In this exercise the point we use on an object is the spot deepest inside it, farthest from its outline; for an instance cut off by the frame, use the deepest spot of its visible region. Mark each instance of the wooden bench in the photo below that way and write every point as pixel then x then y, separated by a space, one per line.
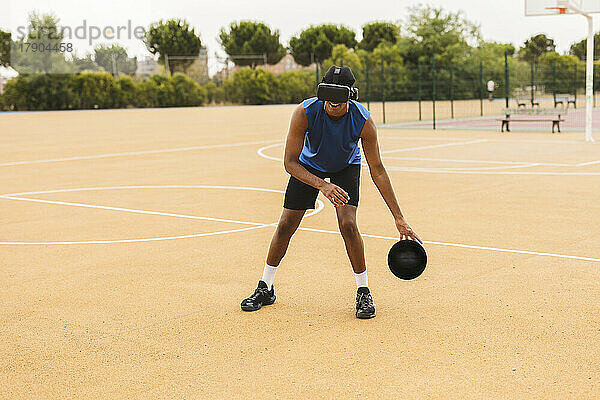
pixel 564 99
pixel 524 101
pixel 518 114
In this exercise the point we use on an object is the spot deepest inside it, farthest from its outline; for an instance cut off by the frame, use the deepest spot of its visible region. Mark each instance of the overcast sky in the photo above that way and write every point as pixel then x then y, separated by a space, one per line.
pixel 500 20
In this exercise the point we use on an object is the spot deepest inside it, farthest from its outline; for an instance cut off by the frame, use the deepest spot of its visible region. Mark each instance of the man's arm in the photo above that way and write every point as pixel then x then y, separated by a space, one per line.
pixel 293 148
pixel 381 178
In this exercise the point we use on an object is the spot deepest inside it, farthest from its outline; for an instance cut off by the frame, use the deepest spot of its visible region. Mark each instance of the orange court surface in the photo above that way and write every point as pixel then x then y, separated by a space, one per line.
pixel 130 237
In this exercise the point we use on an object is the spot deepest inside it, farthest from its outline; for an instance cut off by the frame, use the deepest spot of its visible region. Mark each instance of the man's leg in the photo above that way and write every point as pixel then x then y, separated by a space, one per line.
pixel 265 293
pixel 346 217
pixel 287 226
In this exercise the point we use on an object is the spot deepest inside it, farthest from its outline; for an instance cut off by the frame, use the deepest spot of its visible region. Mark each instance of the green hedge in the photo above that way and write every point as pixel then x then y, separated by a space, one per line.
pixel 90 90
pixel 257 86
pixel 99 90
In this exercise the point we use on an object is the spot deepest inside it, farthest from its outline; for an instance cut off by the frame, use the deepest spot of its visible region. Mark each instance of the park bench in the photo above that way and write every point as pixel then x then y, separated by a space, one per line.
pixel 518 114
pixel 524 101
pixel 564 99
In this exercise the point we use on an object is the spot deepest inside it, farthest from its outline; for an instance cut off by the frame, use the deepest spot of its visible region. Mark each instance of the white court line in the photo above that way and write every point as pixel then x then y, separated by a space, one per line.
pixel 488 168
pixel 588 163
pixel 133 153
pixel 480 171
pixel 432 146
pixel 130 210
pixel 494 140
pixel 261 152
pixel 468 246
pixel 144 187
pixel 255 225
pixel 455 171
pixel 156 239
pixel 480 161
pixel 435 146
pixel 319 208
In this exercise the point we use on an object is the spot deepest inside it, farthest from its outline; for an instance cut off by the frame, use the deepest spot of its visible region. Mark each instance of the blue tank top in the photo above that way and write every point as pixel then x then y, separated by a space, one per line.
pixel 330 146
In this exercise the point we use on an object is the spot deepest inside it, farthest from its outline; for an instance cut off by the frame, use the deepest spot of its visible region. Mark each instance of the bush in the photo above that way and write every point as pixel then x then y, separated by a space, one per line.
pixel 214 93
pixel 90 90
pixel 41 92
pixel 295 86
pixel 127 90
pixel 251 86
pixel 187 92
pixel 97 90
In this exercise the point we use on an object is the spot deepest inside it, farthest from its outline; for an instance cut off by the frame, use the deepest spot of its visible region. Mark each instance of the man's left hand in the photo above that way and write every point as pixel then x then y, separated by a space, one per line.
pixel 406 231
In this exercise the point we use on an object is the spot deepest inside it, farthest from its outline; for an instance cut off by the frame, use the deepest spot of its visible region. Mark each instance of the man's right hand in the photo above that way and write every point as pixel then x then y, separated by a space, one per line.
pixel 336 195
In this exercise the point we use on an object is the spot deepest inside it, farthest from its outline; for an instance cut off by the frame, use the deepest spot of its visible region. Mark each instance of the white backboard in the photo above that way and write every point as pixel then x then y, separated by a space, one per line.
pixel 550 7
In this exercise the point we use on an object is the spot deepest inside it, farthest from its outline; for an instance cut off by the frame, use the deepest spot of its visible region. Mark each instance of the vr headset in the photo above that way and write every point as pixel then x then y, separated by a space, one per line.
pixel 334 92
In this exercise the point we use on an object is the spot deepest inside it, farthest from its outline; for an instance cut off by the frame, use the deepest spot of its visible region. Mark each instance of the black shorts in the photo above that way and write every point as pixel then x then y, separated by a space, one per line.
pixel 300 196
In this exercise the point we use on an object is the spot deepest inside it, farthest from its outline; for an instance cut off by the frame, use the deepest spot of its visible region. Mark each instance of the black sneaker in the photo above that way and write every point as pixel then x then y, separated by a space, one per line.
pixel 364 303
pixel 261 297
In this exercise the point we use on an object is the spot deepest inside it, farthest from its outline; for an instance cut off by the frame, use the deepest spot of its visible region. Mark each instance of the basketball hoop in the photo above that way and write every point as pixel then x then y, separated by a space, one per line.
pixel 585 8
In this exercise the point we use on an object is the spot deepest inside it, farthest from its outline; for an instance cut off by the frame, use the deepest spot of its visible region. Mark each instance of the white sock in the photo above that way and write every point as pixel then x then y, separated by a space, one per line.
pixel 361 279
pixel 269 275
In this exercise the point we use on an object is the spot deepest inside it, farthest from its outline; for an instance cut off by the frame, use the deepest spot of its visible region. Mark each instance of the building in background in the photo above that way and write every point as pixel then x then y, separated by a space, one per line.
pixel 287 63
pixel 198 71
pixel 148 66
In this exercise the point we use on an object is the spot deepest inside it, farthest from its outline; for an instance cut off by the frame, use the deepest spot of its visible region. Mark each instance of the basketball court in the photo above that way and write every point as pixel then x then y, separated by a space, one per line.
pixel 130 238
pixel 574 121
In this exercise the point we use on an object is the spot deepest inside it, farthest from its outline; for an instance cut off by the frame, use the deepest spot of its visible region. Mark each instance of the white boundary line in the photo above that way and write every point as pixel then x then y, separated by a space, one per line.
pixel 480 161
pixel 478 171
pixel 255 224
pixel 156 239
pixel 495 139
pixel 468 246
pixel 261 151
pixel 133 153
pixel 435 146
pixel 455 171
pixel 588 163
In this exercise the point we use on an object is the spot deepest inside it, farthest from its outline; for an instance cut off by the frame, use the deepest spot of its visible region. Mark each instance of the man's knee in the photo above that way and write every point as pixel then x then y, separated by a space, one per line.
pixel 287 226
pixel 348 227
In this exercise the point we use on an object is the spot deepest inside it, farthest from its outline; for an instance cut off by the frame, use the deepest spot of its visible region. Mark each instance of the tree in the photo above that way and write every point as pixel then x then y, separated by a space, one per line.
pixel 41 51
pixel 84 64
pixel 341 55
pixel 4 48
pixel 579 49
pixel 114 59
pixel 173 38
pixel 535 47
pixel 556 72
pixel 433 31
pixel 316 42
pixel 377 32
pixel 248 38
pixel 396 76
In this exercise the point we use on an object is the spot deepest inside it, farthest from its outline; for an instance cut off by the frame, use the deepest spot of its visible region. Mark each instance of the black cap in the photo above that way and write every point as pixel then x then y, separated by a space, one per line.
pixel 339 76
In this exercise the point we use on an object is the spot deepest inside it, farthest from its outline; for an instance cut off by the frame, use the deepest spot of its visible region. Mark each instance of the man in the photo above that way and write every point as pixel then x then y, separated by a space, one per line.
pixel 322 142
pixel 490 88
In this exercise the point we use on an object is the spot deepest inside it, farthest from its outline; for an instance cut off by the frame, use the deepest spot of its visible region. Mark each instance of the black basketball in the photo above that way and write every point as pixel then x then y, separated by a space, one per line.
pixel 407 259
